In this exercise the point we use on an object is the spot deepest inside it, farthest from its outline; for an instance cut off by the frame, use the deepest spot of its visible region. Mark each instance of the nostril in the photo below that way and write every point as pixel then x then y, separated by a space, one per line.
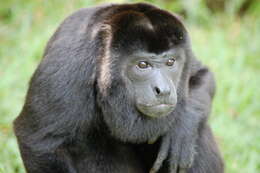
pixel 157 90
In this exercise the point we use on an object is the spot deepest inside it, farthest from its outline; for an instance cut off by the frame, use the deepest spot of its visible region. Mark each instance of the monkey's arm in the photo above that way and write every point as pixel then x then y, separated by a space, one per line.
pixel 196 110
pixel 179 144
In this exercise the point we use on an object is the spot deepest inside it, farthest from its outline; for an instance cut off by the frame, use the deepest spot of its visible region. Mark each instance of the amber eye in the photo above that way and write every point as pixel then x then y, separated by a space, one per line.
pixel 143 64
pixel 170 62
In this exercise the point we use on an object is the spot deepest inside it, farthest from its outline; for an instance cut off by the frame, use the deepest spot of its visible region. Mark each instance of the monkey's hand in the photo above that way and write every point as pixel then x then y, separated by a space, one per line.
pixel 182 151
pixel 183 137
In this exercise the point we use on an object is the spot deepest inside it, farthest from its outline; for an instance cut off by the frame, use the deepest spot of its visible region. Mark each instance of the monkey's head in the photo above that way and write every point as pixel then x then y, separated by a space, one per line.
pixel 142 71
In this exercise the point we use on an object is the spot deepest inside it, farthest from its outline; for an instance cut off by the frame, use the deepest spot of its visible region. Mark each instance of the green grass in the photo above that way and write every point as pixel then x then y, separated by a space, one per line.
pixel 229 46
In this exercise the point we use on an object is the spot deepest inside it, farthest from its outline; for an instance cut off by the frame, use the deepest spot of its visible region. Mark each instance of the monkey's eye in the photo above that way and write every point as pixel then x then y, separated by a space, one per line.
pixel 143 64
pixel 170 62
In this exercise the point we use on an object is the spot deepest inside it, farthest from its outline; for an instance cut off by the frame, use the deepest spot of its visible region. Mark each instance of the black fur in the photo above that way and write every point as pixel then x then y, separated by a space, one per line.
pixel 69 124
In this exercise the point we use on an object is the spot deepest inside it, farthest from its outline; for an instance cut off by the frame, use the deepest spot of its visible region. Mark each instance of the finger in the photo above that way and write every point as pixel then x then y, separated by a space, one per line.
pixel 162 155
pixel 173 168
pixel 182 170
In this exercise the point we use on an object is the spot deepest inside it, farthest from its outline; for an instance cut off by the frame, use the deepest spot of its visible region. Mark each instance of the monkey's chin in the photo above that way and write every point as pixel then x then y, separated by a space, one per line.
pixel 156 111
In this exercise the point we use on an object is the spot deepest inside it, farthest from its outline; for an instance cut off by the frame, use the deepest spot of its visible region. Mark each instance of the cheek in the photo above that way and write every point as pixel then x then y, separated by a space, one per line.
pixel 173 96
pixel 143 94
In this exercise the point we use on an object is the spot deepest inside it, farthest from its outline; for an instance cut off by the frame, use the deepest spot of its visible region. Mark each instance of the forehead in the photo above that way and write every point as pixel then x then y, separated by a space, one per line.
pixel 149 29
pixel 177 53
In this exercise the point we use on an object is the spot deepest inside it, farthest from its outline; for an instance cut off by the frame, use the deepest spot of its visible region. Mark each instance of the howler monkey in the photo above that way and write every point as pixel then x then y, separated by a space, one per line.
pixel 118 90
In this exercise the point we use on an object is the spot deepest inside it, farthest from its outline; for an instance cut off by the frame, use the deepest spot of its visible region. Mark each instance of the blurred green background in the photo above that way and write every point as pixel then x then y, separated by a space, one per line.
pixel 225 36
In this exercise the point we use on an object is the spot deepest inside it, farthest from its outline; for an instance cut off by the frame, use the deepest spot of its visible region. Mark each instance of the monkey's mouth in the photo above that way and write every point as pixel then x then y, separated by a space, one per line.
pixel 156 111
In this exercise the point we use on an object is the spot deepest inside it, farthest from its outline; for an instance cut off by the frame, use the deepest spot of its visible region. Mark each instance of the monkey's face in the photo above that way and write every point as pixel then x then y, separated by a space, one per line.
pixel 154 79
pixel 141 102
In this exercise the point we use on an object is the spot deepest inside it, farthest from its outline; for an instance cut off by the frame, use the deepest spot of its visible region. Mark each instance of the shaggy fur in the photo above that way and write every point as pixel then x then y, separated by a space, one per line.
pixel 79 115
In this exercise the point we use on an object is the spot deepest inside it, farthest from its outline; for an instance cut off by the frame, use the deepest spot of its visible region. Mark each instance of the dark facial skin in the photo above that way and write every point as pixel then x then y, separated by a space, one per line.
pixel 155 78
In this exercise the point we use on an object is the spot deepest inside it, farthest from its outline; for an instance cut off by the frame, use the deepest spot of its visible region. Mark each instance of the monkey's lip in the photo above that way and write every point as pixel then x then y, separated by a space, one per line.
pixel 156 111
pixel 159 105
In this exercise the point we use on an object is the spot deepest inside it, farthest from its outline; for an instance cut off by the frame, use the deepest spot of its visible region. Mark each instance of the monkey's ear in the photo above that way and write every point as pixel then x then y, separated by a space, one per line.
pixel 201 78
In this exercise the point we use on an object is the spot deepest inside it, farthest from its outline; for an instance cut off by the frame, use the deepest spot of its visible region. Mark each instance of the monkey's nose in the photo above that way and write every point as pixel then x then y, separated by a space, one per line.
pixel 162 91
